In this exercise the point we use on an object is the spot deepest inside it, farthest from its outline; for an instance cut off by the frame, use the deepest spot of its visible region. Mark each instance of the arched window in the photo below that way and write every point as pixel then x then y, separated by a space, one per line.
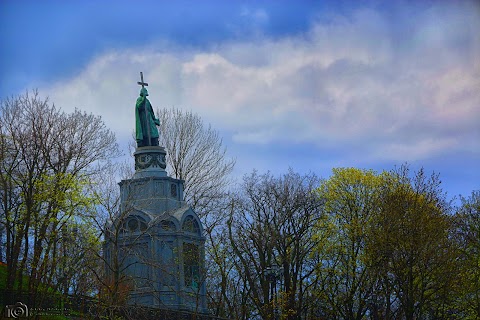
pixel 191 225
pixel 168 225
pixel 134 224
pixel 191 265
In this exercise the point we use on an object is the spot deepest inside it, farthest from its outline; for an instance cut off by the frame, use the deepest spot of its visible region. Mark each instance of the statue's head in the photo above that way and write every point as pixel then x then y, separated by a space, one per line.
pixel 144 92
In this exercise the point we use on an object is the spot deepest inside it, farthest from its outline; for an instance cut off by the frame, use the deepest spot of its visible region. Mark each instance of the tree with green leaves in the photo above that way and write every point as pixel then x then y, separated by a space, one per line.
pixel 467 223
pixel 411 248
pixel 389 251
pixel 48 157
pixel 351 202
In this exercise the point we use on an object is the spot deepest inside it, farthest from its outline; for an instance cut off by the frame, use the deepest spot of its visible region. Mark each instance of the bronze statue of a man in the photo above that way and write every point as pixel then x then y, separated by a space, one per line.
pixel 145 121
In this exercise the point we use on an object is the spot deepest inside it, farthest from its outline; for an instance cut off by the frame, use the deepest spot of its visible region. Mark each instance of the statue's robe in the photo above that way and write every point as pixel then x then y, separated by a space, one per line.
pixel 142 122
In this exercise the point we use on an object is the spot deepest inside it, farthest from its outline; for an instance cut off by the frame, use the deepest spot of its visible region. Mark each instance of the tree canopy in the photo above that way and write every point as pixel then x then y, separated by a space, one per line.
pixel 47 159
pixel 359 244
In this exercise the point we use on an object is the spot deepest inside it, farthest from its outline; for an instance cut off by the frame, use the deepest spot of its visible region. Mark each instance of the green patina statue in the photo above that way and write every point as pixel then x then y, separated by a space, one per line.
pixel 145 121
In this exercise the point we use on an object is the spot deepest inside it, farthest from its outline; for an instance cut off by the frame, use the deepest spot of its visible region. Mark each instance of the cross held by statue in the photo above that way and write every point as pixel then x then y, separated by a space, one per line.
pixel 141 82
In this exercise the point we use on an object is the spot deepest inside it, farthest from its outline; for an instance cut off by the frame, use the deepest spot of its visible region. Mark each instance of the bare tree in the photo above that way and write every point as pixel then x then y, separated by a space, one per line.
pixel 195 155
pixel 109 264
pixel 270 232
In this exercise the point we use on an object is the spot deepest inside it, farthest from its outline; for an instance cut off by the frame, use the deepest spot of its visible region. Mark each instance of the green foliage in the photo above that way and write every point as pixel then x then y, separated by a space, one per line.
pixel 385 246
pixel 351 202
pixel 410 246
pixel 468 226
pixel 63 192
pixel 48 158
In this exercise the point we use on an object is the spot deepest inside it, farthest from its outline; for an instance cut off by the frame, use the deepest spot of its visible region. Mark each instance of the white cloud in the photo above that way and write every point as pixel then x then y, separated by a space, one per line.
pixel 349 82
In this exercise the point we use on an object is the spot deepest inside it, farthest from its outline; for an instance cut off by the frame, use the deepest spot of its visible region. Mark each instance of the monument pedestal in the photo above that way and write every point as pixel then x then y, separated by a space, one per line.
pixel 150 162
pixel 161 242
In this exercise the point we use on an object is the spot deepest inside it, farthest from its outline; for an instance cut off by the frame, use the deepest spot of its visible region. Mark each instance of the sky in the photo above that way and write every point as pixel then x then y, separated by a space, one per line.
pixel 307 85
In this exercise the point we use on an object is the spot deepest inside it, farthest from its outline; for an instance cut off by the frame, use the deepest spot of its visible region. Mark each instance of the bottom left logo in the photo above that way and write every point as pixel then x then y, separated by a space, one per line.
pixel 17 310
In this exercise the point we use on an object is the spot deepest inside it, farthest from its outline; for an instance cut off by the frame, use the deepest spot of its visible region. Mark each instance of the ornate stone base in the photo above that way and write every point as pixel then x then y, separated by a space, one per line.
pixel 150 162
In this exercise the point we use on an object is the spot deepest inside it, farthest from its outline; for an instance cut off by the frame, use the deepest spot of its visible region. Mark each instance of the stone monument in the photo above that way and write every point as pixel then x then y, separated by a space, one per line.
pixel 159 242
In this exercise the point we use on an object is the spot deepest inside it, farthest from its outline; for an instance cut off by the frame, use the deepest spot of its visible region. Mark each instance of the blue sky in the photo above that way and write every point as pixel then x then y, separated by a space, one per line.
pixel 310 85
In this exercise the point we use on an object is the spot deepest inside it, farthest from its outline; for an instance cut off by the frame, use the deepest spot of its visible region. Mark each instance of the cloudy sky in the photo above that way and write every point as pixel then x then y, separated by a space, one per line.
pixel 310 85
